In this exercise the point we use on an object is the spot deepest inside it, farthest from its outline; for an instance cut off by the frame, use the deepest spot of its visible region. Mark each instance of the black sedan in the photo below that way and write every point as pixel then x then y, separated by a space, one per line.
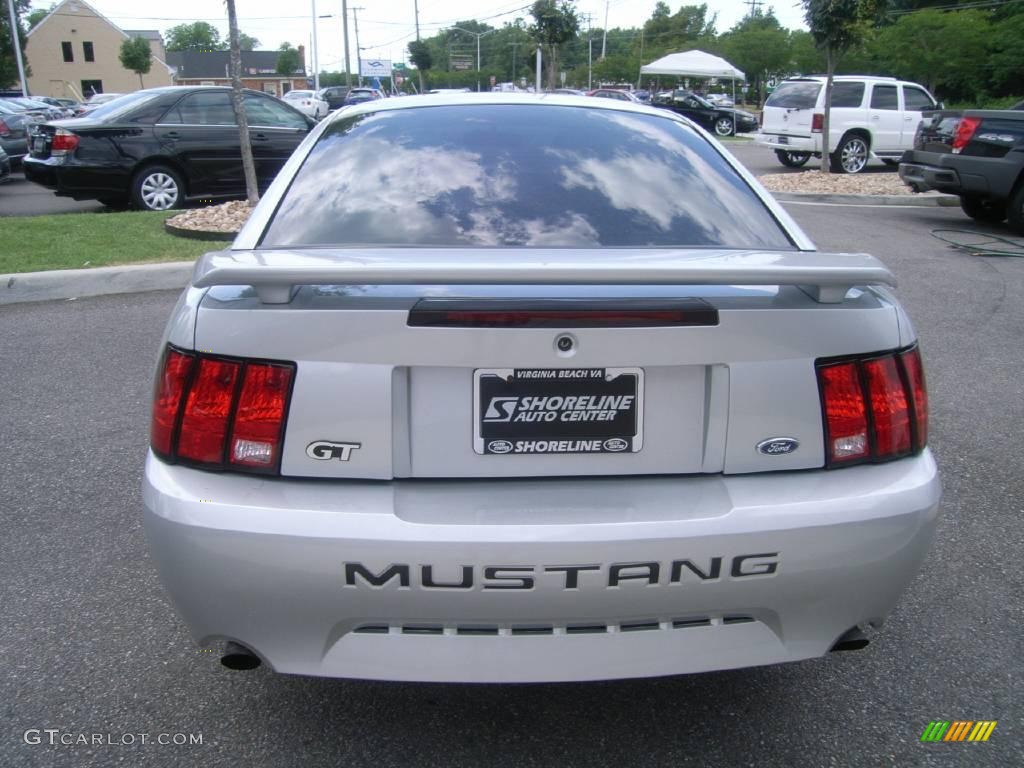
pixel 708 116
pixel 157 148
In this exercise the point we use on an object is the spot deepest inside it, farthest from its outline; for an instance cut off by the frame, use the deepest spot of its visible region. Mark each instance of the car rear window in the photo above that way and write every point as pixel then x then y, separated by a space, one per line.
pixel 795 94
pixel 518 175
pixel 847 94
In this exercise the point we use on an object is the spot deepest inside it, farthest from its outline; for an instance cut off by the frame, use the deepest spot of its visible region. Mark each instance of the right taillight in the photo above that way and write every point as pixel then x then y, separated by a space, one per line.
pixel 874 408
pixel 4 130
pixel 817 122
pixel 964 132
pixel 63 142
pixel 219 412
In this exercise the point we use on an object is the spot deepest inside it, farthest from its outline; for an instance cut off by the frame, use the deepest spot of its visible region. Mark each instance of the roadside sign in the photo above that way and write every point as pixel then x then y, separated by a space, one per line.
pixel 375 68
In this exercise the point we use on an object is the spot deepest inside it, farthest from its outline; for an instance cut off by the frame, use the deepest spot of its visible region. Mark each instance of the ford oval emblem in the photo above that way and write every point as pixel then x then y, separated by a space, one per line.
pixel 615 444
pixel 499 446
pixel 778 446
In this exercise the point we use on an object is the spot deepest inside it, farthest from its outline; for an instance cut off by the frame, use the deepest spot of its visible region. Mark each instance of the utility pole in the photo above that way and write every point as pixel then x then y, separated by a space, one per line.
pixel 755 6
pixel 359 51
pixel 604 37
pixel 590 53
pixel 16 43
pixel 344 26
pixel 514 46
pixel 416 8
pixel 537 87
pixel 316 54
pixel 640 74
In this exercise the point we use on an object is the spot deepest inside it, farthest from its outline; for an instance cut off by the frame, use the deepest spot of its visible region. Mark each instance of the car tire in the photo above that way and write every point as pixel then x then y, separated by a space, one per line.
pixel 851 156
pixel 983 209
pixel 724 126
pixel 157 188
pixel 1015 210
pixel 792 159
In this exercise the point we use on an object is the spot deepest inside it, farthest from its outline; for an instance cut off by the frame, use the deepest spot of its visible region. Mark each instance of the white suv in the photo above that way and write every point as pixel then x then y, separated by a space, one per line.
pixel 871 117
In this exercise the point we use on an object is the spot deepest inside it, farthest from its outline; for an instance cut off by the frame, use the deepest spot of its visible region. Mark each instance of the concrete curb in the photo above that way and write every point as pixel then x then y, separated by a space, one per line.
pixel 196 234
pixel 101 281
pixel 921 200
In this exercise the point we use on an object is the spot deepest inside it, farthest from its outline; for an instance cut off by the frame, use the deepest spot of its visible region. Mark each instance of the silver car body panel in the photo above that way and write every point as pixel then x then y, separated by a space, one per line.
pixel 416 558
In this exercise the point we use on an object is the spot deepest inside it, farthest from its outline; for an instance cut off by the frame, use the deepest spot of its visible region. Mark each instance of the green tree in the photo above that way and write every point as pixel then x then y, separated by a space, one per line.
pixel 288 60
pixel 8 62
pixel 555 22
pixel 37 15
pixel 946 51
pixel 421 58
pixel 247 42
pixel 198 36
pixel 136 56
pixel 836 26
pixel 1006 57
pixel 760 47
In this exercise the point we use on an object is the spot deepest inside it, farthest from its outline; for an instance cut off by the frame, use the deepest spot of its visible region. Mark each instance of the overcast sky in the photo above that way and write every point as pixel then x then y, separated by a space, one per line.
pixel 386 26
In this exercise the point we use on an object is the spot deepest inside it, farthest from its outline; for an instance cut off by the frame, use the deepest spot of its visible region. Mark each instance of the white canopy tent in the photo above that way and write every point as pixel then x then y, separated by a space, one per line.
pixel 696 64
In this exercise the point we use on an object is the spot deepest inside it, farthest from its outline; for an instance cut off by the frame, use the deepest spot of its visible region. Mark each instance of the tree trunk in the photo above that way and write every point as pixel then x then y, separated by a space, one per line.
pixel 141 86
pixel 422 89
pixel 248 166
pixel 553 67
pixel 830 59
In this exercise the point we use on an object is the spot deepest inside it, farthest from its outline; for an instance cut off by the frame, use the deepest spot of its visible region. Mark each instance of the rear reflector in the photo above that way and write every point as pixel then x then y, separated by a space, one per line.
pixel 221 413
pixel 561 313
pixel 874 407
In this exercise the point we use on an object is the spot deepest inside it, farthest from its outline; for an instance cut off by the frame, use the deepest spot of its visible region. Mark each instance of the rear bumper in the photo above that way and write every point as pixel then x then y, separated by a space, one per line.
pixel 788 143
pixel 81 182
pixel 959 174
pixel 673 575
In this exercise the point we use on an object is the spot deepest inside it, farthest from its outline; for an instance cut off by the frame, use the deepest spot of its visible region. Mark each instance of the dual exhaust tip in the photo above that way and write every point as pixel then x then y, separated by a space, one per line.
pixel 238 657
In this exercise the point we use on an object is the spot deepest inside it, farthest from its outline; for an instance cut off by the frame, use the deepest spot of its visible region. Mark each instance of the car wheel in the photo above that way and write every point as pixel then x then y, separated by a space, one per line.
pixel 851 156
pixel 157 188
pixel 723 126
pixel 792 159
pixel 1015 211
pixel 982 209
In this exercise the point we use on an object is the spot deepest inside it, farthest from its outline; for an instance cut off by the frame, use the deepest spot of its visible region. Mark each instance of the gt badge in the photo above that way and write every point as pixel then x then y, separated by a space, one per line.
pixel 325 450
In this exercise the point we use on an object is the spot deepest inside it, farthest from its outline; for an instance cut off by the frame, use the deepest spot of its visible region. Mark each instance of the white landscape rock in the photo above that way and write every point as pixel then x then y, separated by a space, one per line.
pixel 226 217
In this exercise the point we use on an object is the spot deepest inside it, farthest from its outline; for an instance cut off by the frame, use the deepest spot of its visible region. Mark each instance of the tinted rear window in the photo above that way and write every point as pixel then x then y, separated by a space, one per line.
pixel 847 94
pixel 802 94
pixel 518 175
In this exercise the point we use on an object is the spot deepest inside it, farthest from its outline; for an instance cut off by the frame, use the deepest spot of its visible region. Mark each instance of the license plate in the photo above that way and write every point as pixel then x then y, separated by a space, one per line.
pixel 39 144
pixel 783 140
pixel 557 410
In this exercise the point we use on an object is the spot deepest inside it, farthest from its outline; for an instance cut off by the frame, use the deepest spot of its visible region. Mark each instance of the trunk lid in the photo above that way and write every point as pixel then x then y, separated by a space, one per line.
pixel 420 381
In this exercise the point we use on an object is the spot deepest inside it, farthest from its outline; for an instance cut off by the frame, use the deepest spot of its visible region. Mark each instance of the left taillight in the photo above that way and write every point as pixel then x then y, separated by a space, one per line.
pixel 64 142
pixel 217 412
pixel 874 408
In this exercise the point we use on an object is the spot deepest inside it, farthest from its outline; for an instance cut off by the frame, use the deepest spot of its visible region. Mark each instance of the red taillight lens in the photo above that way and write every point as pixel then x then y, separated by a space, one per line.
pixel 170 389
pixel 63 141
pixel 911 360
pixel 874 407
pixel 817 122
pixel 4 130
pixel 846 423
pixel 964 132
pixel 204 424
pixel 888 407
pixel 221 413
pixel 256 436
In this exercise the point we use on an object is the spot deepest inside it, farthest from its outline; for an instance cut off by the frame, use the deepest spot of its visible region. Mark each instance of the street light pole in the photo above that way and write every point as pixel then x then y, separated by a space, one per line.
pixel 478 35
pixel 16 42
pixel 359 54
pixel 316 53
pixel 344 26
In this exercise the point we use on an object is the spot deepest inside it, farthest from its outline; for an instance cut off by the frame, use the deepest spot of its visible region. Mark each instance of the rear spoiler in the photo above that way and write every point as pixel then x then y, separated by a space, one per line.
pixel 275 275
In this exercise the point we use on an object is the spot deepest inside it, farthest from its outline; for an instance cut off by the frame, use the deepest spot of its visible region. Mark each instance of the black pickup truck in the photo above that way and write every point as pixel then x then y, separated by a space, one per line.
pixel 977 155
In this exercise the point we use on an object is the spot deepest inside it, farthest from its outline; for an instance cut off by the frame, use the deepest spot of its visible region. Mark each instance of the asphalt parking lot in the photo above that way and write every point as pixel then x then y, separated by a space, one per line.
pixel 20 197
pixel 90 644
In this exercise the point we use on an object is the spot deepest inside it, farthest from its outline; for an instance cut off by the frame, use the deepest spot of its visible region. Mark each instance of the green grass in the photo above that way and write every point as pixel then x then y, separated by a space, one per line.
pixel 82 240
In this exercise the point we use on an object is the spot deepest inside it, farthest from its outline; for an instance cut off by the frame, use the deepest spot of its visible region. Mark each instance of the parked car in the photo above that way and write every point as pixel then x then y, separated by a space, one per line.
pixel 508 388
pixel 308 103
pixel 159 147
pixel 5 166
pixel 614 93
pixel 724 121
pixel 569 92
pixel 36 108
pixel 977 155
pixel 14 130
pixel 70 107
pixel 359 95
pixel 871 118
pixel 334 95
pixel 643 95
pixel 719 99
pixel 95 101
